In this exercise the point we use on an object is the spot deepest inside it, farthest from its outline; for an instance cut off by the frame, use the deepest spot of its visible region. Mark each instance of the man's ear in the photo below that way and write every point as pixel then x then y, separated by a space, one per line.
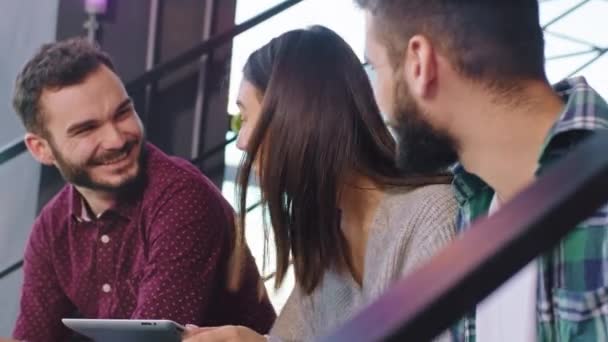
pixel 420 66
pixel 39 148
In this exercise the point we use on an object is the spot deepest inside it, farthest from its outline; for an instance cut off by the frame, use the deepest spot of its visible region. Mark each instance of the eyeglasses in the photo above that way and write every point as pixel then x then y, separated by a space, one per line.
pixel 236 122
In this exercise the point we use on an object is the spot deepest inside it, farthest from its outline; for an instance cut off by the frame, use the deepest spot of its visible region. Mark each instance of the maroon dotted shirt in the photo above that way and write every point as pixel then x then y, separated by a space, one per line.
pixel 162 254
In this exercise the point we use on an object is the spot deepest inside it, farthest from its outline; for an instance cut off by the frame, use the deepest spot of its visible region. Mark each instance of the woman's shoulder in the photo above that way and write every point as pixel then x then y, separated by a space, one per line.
pixel 416 224
pixel 423 211
pixel 402 200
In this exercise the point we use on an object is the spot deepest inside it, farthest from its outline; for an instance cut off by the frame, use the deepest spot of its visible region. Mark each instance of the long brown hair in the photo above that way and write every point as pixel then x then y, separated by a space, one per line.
pixel 319 122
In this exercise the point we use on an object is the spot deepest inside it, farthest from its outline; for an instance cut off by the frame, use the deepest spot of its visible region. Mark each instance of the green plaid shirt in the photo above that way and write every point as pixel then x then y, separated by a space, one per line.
pixel 572 296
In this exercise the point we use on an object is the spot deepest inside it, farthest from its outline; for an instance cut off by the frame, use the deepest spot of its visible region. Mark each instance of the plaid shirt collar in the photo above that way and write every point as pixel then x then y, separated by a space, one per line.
pixel 580 113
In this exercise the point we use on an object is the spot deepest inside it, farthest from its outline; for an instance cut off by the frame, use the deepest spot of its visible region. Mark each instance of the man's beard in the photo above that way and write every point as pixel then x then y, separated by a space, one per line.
pixel 80 175
pixel 422 149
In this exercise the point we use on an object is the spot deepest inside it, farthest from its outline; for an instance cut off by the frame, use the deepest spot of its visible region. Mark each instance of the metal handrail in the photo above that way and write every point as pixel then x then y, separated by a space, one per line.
pixel 12 268
pixel 425 303
pixel 12 150
pixel 213 151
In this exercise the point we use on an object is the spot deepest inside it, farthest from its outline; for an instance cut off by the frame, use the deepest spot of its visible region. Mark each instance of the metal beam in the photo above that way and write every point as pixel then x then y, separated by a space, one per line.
pixel 589 62
pixel 567 12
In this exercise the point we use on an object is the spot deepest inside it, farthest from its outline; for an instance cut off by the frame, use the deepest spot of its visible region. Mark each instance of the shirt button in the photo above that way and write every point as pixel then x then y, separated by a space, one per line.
pixel 105 239
pixel 106 288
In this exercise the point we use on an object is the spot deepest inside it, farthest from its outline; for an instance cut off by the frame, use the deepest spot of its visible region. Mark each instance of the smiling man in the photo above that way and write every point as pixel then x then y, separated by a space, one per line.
pixel 134 233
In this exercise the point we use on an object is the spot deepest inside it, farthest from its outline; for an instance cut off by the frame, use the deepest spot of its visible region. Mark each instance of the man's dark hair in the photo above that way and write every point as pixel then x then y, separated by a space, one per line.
pixel 54 66
pixel 495 42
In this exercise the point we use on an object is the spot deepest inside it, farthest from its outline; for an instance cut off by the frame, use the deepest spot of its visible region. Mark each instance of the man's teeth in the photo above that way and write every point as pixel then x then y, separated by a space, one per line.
pixel 116 159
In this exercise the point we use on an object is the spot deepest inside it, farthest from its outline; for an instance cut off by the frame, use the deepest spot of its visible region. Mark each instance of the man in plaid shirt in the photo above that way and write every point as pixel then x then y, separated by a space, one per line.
pixel 465 81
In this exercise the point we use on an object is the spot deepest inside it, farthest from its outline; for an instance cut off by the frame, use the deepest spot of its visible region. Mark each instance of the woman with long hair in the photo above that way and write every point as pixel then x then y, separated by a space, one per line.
pixel 340 209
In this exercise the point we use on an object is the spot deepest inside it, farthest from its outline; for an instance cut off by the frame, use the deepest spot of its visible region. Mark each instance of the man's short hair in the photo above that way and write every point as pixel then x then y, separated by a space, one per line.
pixel 54 66
pixel 491 41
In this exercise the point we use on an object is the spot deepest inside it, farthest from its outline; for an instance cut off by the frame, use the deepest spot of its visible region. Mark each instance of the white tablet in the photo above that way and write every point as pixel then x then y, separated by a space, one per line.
pixel 123 330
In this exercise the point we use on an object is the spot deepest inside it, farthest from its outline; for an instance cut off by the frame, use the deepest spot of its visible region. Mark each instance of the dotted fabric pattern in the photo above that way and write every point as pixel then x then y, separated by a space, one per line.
pixel 159 254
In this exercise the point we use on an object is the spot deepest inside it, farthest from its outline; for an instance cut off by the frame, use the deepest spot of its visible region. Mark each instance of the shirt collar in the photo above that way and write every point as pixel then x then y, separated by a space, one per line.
pixel 75 202
pixel 124 208
pixel 466 185
pixel 584 110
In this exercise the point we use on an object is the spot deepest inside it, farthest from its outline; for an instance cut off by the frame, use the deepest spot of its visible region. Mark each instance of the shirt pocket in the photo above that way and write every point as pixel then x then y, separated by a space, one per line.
pixel 581 315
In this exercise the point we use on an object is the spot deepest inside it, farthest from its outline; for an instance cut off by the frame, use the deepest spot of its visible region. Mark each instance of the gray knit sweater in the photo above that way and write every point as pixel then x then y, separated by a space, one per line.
pixel 409 227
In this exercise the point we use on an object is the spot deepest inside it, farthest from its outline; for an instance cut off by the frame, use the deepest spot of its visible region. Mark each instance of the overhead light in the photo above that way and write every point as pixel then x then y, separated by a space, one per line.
pixel 96 6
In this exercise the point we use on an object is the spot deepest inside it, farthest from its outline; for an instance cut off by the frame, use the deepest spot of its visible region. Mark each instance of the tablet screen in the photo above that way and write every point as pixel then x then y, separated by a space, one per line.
pixel 123 330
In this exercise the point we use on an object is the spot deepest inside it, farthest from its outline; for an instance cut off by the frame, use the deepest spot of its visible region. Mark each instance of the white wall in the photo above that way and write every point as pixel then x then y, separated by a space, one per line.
pixel 24 26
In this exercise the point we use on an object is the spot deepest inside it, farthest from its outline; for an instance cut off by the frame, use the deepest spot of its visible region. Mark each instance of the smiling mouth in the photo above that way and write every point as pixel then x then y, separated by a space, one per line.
pixel 116 159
